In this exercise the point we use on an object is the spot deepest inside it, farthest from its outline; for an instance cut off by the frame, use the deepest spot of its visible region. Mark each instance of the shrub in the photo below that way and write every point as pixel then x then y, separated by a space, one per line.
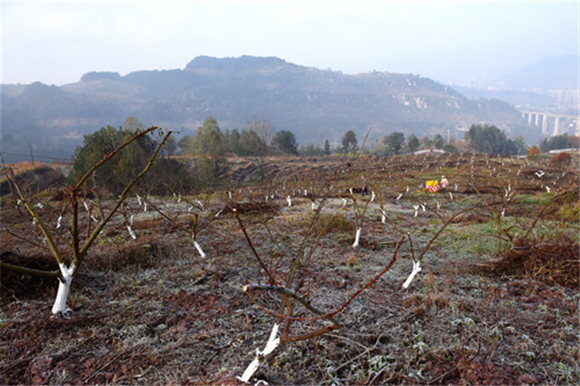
pixel 570 212
pixel 333 223
pixel 533 153
pixel 448 148
pixel 560 160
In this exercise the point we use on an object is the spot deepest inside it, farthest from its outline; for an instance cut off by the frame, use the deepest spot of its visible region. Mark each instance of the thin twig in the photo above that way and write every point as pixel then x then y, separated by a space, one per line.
pixel 342 307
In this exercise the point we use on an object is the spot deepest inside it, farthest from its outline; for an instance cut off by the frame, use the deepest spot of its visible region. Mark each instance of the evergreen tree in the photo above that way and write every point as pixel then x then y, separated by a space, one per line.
pixel 311 150
pixel 185 144
pixel 489 139
pixel 438 141
pixel 114 174
pixel 326 147
pixel 251 144
pixel 170 146
pixel 349 142
pixel 394 142
pixel 285 141
pixel 232 139
pixel 412 143
pixel 449 148
pixel 425 142
pixel 557 142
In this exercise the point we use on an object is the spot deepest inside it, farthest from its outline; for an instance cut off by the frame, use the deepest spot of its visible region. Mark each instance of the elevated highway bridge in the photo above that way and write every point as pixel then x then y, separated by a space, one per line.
pixel 553 124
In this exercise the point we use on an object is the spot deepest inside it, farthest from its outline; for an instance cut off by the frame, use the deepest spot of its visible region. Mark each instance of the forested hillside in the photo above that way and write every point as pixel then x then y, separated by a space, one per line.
pixel 313 104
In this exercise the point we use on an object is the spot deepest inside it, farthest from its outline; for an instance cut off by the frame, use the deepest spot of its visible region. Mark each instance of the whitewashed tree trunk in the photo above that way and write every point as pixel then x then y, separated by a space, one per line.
pixel 356 237
pixel 273 342
pixel 198 247
pixel 63 289
pixel 133 235
pixel 416 269
pixel 416 207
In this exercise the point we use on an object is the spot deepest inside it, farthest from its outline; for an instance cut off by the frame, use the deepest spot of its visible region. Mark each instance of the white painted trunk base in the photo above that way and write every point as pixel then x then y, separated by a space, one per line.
pixel 198 247
pixel 416 269
pixel 59 305
pixel 273 342
pixel 356 237
pixel 131 232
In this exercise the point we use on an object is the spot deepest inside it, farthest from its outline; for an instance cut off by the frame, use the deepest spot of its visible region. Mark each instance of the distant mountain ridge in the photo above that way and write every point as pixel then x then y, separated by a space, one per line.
pixel 550 73
pixel 314 104
pixel 548 85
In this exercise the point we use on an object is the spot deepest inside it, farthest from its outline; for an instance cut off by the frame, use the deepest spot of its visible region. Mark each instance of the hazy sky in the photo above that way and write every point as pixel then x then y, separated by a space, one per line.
pixel 56 42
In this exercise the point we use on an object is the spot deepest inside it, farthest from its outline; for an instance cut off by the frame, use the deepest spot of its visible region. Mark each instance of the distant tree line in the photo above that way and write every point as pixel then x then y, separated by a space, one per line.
pixel 257 139
pixel 205 151
pixel 490 139
pixel 559 142
pixel 480 138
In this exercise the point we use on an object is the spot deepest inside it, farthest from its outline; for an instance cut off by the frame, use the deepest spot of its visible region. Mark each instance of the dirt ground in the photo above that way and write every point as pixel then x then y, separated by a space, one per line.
pixel 491 305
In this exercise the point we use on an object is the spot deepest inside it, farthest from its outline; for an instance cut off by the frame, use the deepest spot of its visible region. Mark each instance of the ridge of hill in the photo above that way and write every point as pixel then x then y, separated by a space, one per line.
pixel 549 73
pixel 314 104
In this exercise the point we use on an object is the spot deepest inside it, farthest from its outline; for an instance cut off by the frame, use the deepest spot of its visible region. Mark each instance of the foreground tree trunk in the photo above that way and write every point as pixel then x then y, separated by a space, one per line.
pixel 356 237
pixel 63 289
pixel 79 244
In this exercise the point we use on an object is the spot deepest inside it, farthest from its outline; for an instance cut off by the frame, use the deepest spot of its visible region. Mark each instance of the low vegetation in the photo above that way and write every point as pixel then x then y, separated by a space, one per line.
pixel 473 284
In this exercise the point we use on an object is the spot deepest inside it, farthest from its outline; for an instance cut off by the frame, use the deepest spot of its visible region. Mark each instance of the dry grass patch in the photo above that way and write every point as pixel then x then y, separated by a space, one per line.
pixel 554 261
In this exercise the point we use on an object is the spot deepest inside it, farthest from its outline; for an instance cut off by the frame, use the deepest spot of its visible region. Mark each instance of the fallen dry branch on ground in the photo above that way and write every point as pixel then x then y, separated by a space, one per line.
pixel 552 261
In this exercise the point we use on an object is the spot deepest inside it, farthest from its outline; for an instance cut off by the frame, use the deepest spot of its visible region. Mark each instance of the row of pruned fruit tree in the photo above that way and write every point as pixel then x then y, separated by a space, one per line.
pixel 70 241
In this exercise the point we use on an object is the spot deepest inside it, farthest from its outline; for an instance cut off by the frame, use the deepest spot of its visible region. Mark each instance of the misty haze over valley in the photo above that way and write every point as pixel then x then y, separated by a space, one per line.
pixel 316 105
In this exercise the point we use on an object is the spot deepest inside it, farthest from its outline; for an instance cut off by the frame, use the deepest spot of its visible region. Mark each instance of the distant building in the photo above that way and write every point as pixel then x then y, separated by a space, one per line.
pixel 557 151
pixel 438 151
pixel 568 96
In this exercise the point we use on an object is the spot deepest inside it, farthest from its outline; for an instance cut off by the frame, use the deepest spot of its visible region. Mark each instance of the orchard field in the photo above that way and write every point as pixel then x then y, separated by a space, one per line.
pixel 184 289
